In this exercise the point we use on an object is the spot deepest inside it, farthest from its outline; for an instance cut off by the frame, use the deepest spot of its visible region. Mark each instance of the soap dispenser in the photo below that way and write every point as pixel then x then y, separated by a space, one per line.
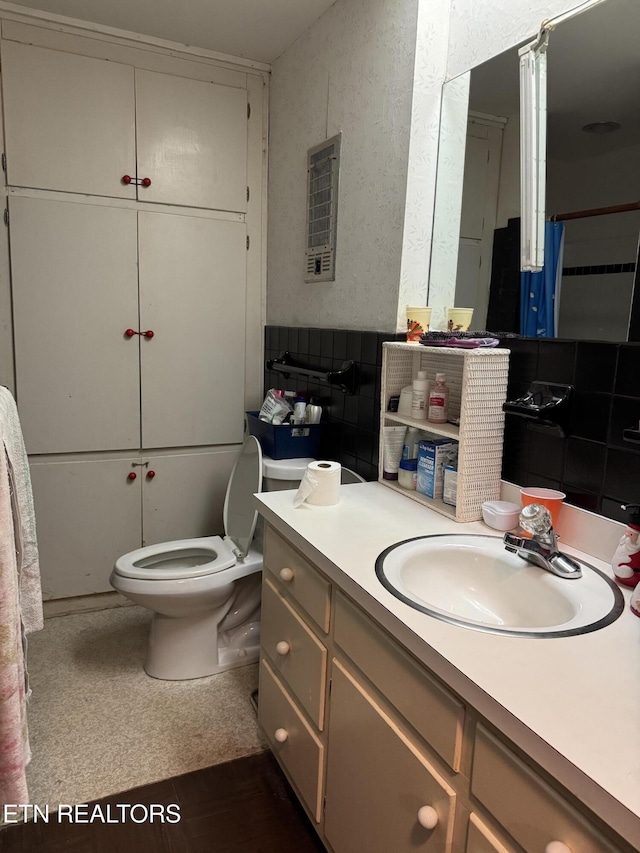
pixel 626 560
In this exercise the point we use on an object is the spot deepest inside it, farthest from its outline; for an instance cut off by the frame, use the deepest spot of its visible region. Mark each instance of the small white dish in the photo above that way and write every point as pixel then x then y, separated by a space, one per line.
pixel 501 515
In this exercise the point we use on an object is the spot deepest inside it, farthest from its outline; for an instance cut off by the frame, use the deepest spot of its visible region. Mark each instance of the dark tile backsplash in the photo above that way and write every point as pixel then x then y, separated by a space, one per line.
pixel 596 468
pixel 352 422
pixel 594 465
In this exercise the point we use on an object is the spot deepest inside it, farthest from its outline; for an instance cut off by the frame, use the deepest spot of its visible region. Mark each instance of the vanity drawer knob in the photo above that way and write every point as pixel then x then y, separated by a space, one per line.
pixel 283 648
pixel 428 817
pixel 557 847
pixel 281 735
pixel 286 575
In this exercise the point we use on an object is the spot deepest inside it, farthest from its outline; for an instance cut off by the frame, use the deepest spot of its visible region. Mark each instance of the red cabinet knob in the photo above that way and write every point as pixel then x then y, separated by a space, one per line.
pixel 131 475
pixel 130 333
pixel 126 179
pixel 146 182
pixel 148 334
pixel 151 475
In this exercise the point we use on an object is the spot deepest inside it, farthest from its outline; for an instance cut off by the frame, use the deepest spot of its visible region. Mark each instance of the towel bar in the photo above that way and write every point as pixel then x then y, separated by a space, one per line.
pixel 344 379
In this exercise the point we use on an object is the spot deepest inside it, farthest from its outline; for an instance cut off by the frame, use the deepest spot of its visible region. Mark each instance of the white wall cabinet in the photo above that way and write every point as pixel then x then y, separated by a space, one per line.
pixel 78 374
pixel 75 292
pixel 91 511
pixel 398 762
pixel 69 121
pixel 75 124
pixel 191 140
pixel 185 496
pixel 93 256
pixel 192 296
pixel 88 513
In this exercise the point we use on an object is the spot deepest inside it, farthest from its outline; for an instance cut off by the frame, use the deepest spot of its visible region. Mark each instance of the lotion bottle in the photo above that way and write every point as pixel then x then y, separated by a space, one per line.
pixel 438 401
pixel 420 396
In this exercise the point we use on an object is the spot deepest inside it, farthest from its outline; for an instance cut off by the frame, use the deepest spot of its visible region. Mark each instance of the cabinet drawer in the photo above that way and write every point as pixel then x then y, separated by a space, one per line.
pixel 433 712
pixel 303 583
pixel 297 747
pixel 480 839
pixel 378 781
pixel 295 652
pixel 529 809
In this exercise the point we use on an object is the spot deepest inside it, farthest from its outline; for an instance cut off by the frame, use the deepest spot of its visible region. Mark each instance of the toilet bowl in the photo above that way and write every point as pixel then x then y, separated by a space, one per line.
pixel 204 593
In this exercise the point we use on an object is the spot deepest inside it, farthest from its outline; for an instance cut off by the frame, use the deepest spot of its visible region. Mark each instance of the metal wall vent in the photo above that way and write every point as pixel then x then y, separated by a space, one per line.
pixel 323 166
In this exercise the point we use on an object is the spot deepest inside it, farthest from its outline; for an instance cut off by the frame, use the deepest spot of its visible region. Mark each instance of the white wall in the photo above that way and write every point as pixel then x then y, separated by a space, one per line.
pixel 352 71
pixel 480 30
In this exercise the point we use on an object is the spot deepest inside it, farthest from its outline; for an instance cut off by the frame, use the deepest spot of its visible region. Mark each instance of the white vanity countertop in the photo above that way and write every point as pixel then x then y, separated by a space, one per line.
pixel 571 703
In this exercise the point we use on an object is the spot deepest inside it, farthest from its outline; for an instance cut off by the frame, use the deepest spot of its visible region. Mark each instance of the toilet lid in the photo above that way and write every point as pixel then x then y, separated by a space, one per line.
pixel 239 513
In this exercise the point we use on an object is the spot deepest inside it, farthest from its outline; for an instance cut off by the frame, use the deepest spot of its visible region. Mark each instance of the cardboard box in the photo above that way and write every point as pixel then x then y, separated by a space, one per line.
pixel 433 456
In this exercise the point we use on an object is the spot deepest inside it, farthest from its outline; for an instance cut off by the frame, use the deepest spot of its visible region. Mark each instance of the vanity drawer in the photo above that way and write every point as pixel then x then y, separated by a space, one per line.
pixel 532 812
pixel 301 581
pixel 432 711
pixel 297 655
pixel 291 739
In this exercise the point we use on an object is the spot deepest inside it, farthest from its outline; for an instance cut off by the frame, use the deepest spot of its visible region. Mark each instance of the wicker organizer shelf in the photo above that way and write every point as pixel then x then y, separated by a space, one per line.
pixel 477 380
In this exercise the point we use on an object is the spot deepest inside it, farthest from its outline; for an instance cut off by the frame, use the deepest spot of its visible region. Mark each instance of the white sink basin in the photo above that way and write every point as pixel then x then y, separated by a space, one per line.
pixel 474 582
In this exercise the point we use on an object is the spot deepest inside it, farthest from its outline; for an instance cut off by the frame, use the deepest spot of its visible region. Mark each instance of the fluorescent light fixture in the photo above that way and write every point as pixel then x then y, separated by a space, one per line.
pixel 533 152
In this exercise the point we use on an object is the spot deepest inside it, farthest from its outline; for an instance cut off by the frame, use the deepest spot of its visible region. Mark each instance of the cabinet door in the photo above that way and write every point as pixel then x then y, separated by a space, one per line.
pixel 69 121
pixel 74 282
pixel 377 780
pixel 480 839
pixel 191 142
pixel 192 296
pixel 87 515
pixel 185 496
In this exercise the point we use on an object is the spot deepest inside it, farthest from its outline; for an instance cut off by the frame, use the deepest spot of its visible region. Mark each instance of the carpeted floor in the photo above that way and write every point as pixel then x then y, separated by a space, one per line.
pixel 98 724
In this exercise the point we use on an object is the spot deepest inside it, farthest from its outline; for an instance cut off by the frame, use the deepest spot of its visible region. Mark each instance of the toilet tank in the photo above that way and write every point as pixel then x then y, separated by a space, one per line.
pixel 280 474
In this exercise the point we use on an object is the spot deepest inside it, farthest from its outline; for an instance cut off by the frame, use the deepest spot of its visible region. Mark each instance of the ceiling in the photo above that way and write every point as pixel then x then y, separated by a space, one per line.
pixel 593 75
pixel 254 29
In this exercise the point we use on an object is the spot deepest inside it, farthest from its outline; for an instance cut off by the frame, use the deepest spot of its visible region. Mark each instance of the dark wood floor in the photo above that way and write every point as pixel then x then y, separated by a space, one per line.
pixel 244 806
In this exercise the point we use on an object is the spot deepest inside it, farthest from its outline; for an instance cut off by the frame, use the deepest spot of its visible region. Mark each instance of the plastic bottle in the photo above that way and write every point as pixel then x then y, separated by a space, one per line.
pixel 407 473
pixel 314 411
pixel 411 441
pixel 404 403
pixel 299 409
pixel 438 401
pixel 420 396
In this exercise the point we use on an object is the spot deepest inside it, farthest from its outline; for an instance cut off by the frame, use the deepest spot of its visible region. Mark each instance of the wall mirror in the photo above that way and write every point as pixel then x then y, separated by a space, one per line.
pixel 593 164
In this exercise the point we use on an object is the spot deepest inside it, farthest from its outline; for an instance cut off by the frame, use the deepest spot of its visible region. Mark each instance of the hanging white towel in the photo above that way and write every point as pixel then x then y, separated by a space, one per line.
pixel 26 543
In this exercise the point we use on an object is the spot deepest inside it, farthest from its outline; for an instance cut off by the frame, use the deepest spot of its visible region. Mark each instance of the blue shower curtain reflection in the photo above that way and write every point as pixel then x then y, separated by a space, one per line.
pixel 540 291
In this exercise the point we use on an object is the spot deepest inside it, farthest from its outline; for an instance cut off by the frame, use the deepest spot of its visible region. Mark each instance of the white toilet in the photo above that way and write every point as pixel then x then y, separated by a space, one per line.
pixel 205 592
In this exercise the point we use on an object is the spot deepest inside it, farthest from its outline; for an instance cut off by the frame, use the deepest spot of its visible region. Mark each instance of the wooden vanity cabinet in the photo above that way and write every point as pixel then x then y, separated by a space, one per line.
pixel 382 793
pixel 384 756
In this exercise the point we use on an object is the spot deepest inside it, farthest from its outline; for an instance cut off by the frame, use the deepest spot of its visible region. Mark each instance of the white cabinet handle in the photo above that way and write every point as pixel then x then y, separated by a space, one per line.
pixel 428 817
pixel 557 847
pixel 283 648
pixel 281 735
pixel 286 575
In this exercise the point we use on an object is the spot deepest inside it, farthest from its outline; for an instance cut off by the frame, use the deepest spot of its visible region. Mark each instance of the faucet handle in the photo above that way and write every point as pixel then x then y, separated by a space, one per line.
pixel 536 519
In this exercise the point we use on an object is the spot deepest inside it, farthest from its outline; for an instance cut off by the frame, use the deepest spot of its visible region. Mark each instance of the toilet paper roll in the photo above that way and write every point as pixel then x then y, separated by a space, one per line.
pixel 320 484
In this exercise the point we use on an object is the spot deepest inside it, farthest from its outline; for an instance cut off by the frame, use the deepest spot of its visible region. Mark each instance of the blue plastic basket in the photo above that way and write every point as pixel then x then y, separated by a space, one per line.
pixel 285 441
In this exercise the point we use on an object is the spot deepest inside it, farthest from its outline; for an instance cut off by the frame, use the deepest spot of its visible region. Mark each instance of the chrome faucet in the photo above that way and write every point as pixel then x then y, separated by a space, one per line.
pixel 542 548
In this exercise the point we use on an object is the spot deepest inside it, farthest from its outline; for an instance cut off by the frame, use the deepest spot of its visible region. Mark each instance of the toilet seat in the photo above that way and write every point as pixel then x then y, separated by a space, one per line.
pixel 183 558
pixel 193 558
